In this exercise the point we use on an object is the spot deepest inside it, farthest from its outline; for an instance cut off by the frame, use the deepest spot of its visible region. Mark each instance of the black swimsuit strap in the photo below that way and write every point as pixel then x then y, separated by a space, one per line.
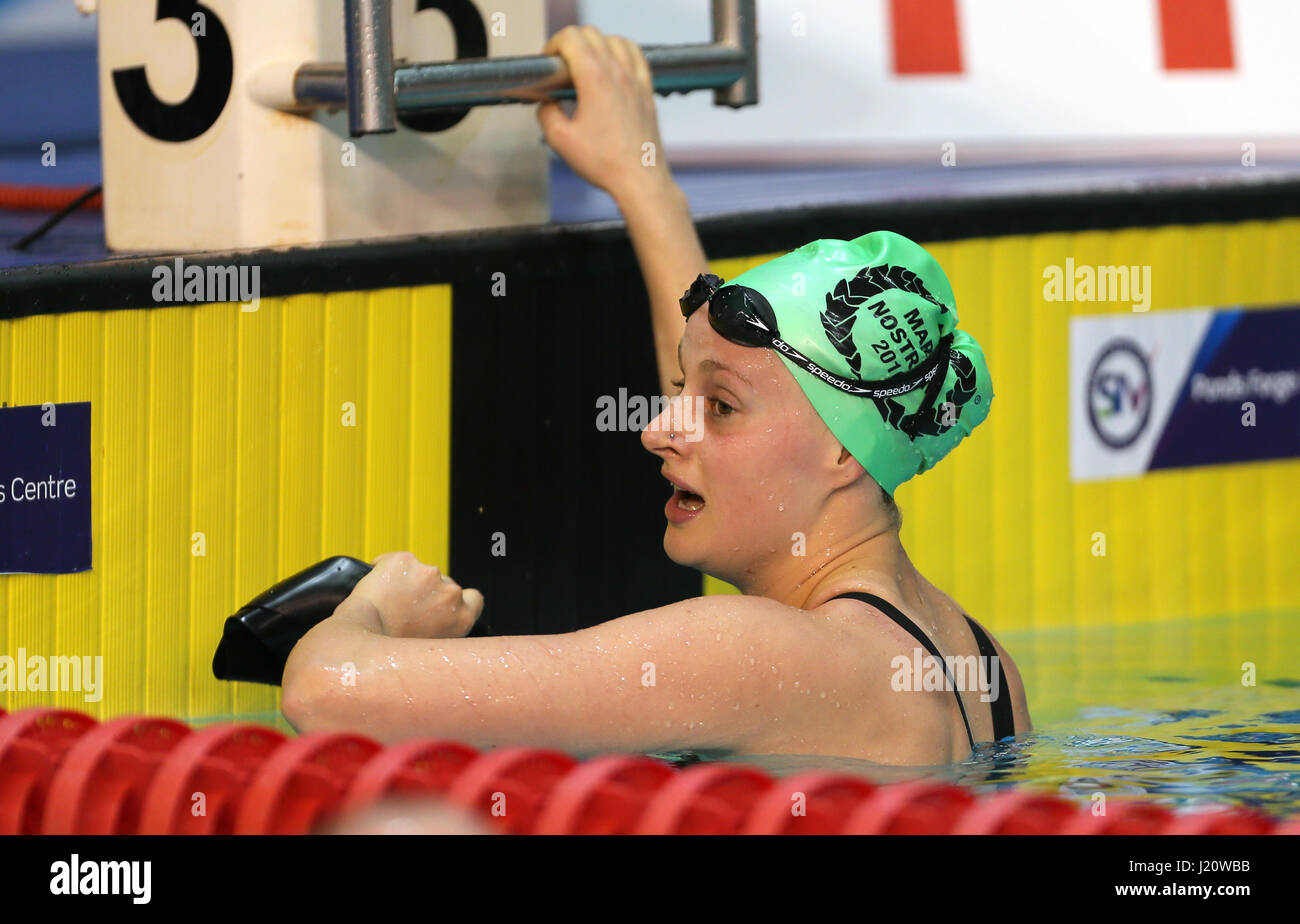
pixel 1004 723
pixel 913 629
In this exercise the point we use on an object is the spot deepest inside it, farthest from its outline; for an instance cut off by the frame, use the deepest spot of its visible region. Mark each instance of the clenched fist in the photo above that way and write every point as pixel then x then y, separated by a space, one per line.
pixel 612 139
pixel 415 600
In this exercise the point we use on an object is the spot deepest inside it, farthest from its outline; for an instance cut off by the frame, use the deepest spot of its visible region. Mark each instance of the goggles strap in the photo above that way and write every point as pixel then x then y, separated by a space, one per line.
pixel 701 291
pixel 933 388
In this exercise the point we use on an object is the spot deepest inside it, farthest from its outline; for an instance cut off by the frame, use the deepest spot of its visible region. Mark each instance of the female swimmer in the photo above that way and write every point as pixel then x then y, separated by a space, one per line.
pixel 826 378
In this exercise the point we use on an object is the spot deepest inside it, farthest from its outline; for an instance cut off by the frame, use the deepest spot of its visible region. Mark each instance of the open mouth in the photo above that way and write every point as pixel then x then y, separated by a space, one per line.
pixel 684 504
pixel 688 500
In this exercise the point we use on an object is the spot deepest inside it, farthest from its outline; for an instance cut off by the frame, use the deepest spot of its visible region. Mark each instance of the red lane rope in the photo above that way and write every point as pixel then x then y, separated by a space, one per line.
pixel 63 772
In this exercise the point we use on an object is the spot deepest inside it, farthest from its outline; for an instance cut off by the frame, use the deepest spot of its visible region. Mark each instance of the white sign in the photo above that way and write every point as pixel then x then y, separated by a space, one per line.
pixel 996 79
pixel 1126 373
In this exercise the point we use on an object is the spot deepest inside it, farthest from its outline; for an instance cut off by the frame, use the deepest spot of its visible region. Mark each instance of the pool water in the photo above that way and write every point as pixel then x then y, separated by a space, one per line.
pixel 1148 712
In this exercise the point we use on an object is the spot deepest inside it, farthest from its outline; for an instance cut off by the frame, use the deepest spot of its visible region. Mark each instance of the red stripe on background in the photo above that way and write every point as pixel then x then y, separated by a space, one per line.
pixel 1196 34
pixel 43 198
pixel 925 36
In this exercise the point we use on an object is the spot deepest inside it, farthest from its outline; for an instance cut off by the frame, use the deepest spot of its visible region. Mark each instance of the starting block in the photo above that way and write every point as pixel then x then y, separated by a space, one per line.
pixel 232 124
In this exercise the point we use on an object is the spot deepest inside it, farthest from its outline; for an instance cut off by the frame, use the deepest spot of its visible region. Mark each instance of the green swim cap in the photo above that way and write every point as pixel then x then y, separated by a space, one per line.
pixel 876 308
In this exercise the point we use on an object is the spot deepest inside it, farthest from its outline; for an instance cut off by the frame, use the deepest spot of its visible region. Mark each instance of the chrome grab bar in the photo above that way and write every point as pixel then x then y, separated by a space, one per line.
pixel 375 90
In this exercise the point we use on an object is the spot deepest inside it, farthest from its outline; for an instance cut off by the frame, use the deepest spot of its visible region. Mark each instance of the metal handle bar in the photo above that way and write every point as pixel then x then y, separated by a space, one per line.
pixel 375 91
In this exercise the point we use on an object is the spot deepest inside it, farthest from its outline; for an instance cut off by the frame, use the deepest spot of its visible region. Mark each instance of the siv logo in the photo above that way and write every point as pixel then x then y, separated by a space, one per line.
pixel 1118 396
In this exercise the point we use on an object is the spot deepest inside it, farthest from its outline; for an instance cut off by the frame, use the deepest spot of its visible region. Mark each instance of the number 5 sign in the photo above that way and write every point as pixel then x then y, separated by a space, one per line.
pixel 193 160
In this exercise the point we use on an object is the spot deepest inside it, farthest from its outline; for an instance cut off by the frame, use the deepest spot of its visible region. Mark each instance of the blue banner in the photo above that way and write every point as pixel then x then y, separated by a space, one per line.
pixel 45 489
pixel 1240 401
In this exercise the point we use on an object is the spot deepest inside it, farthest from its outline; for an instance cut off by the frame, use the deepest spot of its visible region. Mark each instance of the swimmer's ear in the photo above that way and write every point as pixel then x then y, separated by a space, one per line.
pixel 847 469
pixel 851 464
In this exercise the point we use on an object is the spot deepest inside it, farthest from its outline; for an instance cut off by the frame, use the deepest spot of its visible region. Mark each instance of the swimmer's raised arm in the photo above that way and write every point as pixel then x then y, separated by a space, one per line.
pixel 719 672
pixel 612 141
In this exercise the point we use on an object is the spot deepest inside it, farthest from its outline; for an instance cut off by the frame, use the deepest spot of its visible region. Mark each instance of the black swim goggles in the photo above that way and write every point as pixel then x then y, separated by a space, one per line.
pixel 745 316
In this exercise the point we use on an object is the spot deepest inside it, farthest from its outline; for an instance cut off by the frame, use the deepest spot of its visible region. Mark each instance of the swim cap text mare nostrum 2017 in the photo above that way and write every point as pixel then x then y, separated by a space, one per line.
pixel 868 328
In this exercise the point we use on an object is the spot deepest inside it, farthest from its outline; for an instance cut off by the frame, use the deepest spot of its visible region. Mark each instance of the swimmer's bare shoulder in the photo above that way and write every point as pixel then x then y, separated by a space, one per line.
pixel 728 673
pixel 918 726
